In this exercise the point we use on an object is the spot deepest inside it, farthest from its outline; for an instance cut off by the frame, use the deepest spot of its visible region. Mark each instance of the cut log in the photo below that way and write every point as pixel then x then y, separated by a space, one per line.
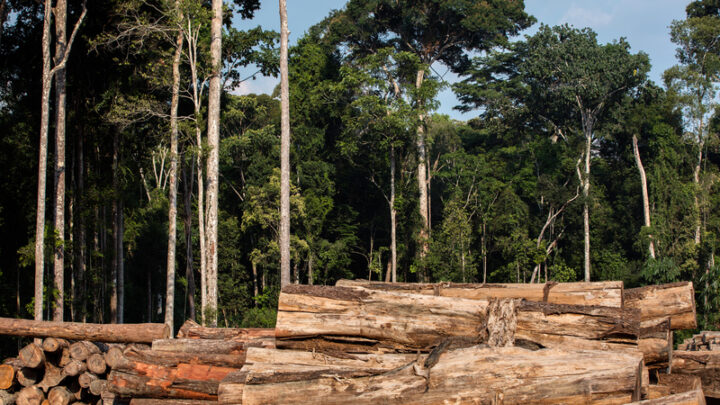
pixel 126 384
pixel 27 376
pixel 156 401
pixel 113 356
pixel 351 319
pixel 7 398
pixel 123 333
pixel 679 383
pixel 32 356
pixel 705 364
pixel 656 391
pixel 75 368
pixel 192 330
pixel 172 359
pixel 656 343
pixel 85 379
pixel 605 293
pixel 30 396
pixel 217 346
pixel 507 375
pixel 7 376
pixel 96 363
pixel 82 350
pixel 655 302
pixel 686 398
pixel 52 377
pixel 98 387
pixel 52 345
pixel 60 396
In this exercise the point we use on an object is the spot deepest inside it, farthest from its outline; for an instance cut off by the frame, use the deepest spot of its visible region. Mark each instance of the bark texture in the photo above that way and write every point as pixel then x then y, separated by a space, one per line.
pixel 284 236
pixel 656 302
pixel 126 333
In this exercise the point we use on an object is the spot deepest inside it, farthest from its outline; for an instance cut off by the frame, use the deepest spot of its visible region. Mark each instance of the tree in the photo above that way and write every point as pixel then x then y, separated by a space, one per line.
pixel 568 71
pixel 284 150
pixel 436 31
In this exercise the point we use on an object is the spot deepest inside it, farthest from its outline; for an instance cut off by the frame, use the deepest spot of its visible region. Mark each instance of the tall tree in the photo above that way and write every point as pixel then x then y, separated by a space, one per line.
pixel 213 142
pixel 436 31
pixel 284 149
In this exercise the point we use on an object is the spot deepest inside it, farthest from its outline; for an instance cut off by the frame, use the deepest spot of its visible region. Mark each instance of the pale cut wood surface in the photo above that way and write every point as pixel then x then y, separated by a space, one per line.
pixel 675 300
pixel 604 293
pixel 506 375
pixel 695 397
pixel 704 364
pixel 122 333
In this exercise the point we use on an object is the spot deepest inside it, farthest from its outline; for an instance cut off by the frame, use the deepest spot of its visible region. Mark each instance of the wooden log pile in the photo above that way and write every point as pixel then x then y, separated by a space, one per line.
pixel 365 343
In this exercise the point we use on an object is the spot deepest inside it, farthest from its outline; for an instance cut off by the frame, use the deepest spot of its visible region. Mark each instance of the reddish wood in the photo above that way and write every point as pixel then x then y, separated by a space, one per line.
pixel 132 385
pixel 172 359
pixel 123 333
pixel 7 376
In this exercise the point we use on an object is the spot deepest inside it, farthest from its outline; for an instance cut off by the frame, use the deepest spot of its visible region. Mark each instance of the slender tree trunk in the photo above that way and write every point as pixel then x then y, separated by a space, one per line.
pixel 310 269
pixel 484 252
pixel 696 181
pixel 586 195
pixel 80 242
pixel 213 162
pixel 422 179
pixel 189 270
pixel 42 164
pixel 393 217
pixel 255 280
pixel 121 263
pixel 646 200
pixel 284 150
pixel 116 228
pixel 172 209
pixel 60 12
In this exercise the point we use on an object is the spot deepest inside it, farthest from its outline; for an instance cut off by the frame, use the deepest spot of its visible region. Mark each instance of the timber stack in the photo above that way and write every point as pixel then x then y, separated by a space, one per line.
pixel 366 342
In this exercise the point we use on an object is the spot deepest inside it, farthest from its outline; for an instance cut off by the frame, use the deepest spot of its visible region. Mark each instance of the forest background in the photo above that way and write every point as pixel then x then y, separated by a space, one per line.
pixel 574 165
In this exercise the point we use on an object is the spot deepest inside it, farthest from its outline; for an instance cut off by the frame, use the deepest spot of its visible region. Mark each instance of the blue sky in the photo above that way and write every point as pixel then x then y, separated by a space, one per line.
pixel 644 24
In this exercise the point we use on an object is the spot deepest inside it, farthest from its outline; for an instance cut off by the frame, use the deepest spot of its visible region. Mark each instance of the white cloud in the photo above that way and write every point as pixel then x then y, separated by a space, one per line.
pixel 262 84
pixel 584 17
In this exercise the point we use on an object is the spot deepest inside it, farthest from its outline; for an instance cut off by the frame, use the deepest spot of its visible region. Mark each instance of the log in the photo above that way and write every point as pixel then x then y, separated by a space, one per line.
pixel 217 346
pixel 52 345
pixel 27 376
pixel 605 293
pixel 126 384
pixel 323 317
pixel 60 396
pixel 656 343
pixel 173 359
pixel 75 368
pixel 655 302
pixel 32 356
pixel 695 397
pixel 82 350
pixel 704 364
pixel 192 330
pixel 122 333
pixel 52 377
pixel 508 375
pixel 679 383
pixel 156 401
pixel 96 363
pixel 98 387
pixel 365 320
pixel 113 356
pixel 85 379
pixel 7 398
pixel 656 391
pixel 30 396
pixel 7 376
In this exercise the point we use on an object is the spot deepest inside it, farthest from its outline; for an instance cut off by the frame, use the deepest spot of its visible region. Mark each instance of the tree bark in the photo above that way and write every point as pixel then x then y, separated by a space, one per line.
pixel 646 200
pixel 517 376
pixel 422 178
pixel 115 227
pixel 586 196
pixel 191 330
pixel 79 311
pixel 213 168
pixel 199 346
pixel 172 197
pixel 125 333
pixel 603 293
pixel 393 216
pixel 284 150
pixel 189 270
pixel 42 164
pixel 60 12
pixel 656 302
pixel 705 365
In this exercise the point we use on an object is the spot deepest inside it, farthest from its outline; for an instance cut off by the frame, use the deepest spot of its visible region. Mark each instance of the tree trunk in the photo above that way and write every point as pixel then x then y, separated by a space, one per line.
pixel 80 313
pixel 172 197
pixel 484 252
pixel 189 270
pixel 603 293
pixel 115 227
pixel 393 216
pixel 696 181
pixel 509 375
pixel 60 12
pixel 126 333
pixel 646 201
pixel 284 150
pixel 121 263
pixel 586 195
pixel 213 168
pixel 192 330
pixel 422 179
pixel 42 164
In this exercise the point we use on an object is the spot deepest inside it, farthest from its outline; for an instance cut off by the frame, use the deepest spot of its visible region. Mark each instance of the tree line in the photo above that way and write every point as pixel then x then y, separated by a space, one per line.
pixel 168 199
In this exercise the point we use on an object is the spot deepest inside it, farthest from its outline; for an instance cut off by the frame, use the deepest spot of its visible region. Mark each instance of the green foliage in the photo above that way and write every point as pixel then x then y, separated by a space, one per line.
pixel 259 318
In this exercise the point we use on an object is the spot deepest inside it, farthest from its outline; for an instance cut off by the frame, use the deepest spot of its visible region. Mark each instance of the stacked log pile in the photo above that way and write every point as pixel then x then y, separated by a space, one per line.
pixel 363 342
